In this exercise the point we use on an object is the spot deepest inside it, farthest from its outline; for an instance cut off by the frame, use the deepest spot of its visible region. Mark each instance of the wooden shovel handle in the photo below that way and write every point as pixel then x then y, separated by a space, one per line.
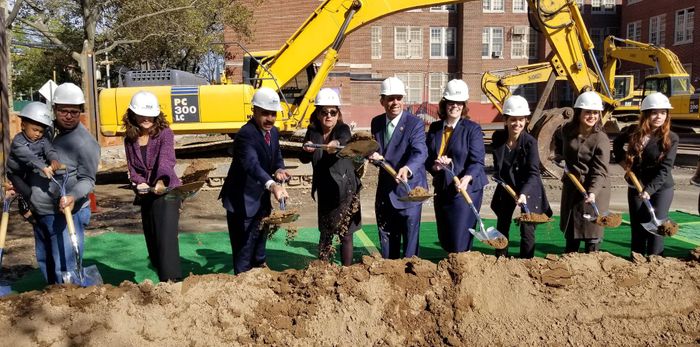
pixel 462 191
pixel 3 228
pixel 510 191
pixel 576 182
pixel 389 169
pixel 635 181
pixel 69 220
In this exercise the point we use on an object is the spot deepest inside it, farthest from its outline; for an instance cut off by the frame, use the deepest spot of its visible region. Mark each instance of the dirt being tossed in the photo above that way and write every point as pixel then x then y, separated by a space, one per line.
pixel 466 299
pixel 668 228
pixel 612 220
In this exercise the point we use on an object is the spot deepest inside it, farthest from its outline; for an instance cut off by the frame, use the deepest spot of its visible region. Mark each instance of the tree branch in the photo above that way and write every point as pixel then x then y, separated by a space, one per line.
pixel 44 30
pixel 138 18
pixel 12 15
pixel 117 43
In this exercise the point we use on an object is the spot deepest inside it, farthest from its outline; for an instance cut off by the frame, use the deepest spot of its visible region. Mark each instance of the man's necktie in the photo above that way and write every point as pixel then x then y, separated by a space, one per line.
pixel 267 137
pixel 389 132
pixel 446 134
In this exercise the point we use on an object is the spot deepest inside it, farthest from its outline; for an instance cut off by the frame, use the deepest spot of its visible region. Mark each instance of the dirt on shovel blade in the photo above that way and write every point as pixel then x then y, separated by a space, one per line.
pixel 534 218
pixel 668 228
pixel 497 243
pixel 361 136
pixel 279 217
pixel 612 220
pixel 198 170
pixel 419 192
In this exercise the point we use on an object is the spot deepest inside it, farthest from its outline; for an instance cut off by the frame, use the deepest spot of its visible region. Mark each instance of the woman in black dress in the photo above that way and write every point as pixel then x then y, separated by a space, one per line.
pixel 335 183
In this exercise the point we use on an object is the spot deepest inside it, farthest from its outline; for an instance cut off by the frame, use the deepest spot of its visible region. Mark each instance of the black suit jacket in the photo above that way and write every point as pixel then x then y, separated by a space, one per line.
pixel 254 163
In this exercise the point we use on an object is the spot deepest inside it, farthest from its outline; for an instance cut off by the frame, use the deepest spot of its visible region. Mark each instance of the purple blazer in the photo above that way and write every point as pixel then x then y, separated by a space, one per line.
pixel 160 163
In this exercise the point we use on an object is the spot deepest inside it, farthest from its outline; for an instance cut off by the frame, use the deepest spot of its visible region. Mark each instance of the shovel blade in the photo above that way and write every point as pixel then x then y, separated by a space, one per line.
pixel 650 227
pixel 5 289
pixel 491 237
pixel 90 276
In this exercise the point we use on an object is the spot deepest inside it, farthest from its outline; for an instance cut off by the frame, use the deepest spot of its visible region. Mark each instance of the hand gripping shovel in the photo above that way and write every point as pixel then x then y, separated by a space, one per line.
pixel 607 219
pixel 5 288
pixel 527 217
pixel 83 277
pixel 282 216
pixel 182 192
pixel 661 227
pixel 418 194
pixel 490 236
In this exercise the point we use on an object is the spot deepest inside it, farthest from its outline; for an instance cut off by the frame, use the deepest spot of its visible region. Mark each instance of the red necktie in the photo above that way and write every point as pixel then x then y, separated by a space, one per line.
pixel 267 137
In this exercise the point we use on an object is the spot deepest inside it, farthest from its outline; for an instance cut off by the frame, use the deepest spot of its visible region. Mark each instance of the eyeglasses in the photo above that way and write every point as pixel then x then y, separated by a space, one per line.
pixel 73 113
pixel 331 113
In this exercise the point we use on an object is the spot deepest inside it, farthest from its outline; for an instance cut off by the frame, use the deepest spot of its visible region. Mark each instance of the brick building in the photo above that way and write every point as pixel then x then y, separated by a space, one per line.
pixel 669 24
pixel 425 48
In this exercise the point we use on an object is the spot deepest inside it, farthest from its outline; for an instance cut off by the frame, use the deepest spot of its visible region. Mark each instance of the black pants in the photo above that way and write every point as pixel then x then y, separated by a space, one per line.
pixel 590 245
pixel 248 241
pixel 527 237
pixel 644 242
pixel 160 216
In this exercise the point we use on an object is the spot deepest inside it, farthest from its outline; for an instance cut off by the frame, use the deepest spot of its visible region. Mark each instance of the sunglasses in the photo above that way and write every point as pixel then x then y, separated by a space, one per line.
pixel 331 113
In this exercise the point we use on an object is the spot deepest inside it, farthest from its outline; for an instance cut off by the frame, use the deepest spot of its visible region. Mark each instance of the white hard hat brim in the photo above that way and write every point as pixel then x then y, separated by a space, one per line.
pixel 145 113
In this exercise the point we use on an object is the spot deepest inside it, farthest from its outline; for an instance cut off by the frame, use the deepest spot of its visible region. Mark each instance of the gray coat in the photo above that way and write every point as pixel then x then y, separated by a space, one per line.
pixel 587 158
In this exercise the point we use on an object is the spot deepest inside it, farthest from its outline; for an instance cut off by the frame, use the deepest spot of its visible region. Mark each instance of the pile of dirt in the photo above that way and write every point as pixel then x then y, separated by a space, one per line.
pixel 466 299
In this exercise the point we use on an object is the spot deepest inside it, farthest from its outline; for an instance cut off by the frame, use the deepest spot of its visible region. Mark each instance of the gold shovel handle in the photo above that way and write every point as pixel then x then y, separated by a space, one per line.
pixel 635 181
pixel 69 220
pixel 3 228
pixel 462 191
pixel 576 182
pixel 389 169
pixel 510 191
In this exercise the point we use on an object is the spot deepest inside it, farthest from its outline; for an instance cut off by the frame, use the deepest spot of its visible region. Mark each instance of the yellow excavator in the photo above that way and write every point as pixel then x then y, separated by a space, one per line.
pixel 289 70
pixel 573 59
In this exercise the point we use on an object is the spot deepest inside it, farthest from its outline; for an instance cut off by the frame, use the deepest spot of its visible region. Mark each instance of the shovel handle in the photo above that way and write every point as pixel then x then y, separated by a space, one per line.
pixel 69 220
pixel 576 182
pixel 510 190
pixel 462 191
pixel 389 169
pixel 3 228
pixel 635 181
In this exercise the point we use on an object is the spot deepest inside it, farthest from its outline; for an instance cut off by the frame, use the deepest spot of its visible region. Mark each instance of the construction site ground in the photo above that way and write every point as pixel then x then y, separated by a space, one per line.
pixel 458 299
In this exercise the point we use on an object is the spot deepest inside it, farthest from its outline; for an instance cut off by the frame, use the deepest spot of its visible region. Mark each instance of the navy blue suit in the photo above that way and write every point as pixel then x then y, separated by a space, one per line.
pixel 397 219
pixel 452 214
pixel 244 195
pixel 523 175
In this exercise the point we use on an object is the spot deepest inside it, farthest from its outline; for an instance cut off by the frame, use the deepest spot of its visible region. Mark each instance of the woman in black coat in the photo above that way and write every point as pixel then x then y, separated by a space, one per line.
pixel 335 183
pixel 516 162
pixel 651 152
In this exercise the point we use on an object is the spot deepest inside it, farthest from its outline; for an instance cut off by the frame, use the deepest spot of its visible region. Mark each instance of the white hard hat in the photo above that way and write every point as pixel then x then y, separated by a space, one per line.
pixel 68 94
pixel 38 112
pixel 456 90
pixel 145 104
pixel 267 99
pixel 327 97
pixel 656 101
pixel 589 101
pixel 392 86
pixel 516 106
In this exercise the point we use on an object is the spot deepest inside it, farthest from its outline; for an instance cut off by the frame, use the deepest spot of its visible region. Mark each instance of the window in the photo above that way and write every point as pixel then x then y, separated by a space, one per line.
pixel 376 38
pixel 657 30
pixel 597 39
pixel 408 43
pixel 634 30
pixel 436 84
pixel 519 6
pixel 442 42
pixel 523 42
pixel 527 91
pixel 603 6
pixel 492 42
pixel 684 26
pixel 414 86
pixel 579 3
pixel 493 5
pixel 443 8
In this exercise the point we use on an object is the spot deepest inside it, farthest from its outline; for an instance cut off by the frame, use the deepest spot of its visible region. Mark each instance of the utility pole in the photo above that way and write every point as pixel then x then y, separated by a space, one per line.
pixel 4 97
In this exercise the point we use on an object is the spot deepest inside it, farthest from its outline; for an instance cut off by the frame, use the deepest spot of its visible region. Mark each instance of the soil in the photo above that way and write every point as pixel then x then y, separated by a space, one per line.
pixel 612 220
pixel 497 243
pixel 466 299
pixel 534 218
pixel 668 228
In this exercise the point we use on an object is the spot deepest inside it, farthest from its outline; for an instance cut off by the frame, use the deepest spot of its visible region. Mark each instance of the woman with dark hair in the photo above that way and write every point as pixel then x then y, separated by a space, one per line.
pixel 651 152
pixel 516 162
pixel 334 182
pixel 457 143
pixel 150 156
pixel 585 149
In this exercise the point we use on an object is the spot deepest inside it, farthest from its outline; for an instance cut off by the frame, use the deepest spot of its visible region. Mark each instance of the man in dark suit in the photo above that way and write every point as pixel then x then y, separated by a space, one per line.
pixel 256 167
pixel 401 138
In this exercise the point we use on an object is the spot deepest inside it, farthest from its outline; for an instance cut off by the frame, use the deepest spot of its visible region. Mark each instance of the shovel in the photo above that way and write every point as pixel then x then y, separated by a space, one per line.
pixel 490 236
pixel 543 218
pixel 653 225
pixel 81 276
pixel 607 219
pixel 4 287
pixel 359 148
pixel 408 197
pixel 182 192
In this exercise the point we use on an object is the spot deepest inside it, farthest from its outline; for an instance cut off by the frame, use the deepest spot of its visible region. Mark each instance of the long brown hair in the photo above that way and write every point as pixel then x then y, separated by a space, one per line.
pixel 636 142
pixel 442 110
pixel 132 129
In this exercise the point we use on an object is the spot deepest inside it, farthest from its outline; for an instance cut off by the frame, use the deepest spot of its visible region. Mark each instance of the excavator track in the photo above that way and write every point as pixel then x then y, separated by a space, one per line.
pixel 544 130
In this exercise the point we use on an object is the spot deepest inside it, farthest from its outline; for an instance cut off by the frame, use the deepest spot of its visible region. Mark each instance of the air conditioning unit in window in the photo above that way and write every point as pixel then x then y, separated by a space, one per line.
pixel 496 54
pixel 520 30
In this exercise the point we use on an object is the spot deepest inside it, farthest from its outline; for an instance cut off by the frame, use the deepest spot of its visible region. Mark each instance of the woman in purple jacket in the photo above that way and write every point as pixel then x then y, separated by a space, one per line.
pixel 150 155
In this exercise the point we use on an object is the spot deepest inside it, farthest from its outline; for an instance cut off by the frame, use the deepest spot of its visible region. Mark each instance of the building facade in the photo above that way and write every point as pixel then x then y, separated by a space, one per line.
pixel 425 48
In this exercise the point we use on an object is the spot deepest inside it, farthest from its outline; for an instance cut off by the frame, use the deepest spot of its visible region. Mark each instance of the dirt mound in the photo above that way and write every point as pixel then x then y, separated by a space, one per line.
pixel 467 299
